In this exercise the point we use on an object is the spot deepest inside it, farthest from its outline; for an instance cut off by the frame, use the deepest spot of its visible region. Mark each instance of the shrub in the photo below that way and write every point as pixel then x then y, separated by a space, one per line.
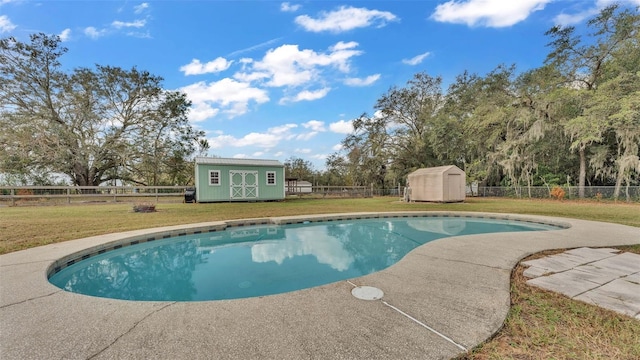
pixel 557 193
pixel 24 192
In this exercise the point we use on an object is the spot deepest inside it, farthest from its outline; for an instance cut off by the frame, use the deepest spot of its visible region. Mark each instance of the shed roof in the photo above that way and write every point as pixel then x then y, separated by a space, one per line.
pixel 231 161
pixel 434 170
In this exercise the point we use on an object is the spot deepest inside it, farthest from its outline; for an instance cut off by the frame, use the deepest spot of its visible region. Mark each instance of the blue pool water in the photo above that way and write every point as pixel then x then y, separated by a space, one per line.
pixel 253 261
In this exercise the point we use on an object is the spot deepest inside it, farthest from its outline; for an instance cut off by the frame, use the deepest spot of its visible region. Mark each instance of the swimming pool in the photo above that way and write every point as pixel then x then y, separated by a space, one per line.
pixel 250 261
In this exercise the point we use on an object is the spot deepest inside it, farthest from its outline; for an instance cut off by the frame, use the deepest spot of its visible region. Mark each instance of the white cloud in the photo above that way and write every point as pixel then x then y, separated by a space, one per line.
pixel 139 34
pixel 341 127
pixel 306 136
pixel 342 52
pixel 5 24
pixel 140 8
pixel 65 35
pixel 289 66
pixel 129 28
pixel 195 67
pixel 258 153
pixel 316 128
pixel 302 151
pixel 306 95
pixel 298 71
pixel 283 130
pixel 345 19
pixel 314 125
pixel 267 140
pixel 251 76
pixel 378 114
pixel 94 33
pixel 240 156
pixel 278 154
pixel 341 45
pixel 288 7
pixel 362 82
pixel 604 3
pixel 231 96
pixel 337 147
pixel 202 111
pixel 135 24
pixel 489 13
pixel 416 59
pixel 570 19
pixel 565 19
pixel 225 92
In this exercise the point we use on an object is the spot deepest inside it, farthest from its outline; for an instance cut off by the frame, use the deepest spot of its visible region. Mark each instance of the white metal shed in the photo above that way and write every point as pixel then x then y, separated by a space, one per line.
pixel 438 184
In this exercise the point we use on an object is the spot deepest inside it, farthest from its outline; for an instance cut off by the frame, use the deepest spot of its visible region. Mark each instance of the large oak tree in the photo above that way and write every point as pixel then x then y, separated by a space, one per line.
pixel 91 124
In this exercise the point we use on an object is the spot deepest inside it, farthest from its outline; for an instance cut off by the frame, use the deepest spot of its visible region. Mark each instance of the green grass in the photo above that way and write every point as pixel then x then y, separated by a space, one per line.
pixel 22 227
pixel 540 324
pixel 546 325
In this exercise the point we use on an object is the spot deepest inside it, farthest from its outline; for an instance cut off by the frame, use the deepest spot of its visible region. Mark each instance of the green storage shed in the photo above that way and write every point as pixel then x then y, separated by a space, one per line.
pixel 224 179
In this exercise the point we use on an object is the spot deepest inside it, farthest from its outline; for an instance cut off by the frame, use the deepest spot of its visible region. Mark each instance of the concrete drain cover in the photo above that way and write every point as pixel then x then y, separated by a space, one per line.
pixel 367 293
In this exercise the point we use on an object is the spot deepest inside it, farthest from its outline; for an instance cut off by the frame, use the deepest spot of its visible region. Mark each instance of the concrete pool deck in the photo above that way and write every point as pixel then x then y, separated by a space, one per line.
pixel 441 299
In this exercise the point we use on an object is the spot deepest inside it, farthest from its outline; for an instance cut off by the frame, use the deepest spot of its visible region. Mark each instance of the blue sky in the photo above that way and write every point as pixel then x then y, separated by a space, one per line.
pixel 271 79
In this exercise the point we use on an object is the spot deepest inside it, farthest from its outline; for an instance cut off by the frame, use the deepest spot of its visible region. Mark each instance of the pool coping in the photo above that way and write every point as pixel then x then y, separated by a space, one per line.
pixel 458 286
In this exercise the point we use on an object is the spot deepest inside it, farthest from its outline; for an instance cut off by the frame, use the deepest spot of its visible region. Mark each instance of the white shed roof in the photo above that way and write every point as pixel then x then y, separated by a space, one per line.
pixel 435 170
pixel 231 161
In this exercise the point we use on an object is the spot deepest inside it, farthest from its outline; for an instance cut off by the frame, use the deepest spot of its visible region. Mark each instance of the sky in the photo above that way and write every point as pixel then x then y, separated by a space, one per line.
pixel 275 80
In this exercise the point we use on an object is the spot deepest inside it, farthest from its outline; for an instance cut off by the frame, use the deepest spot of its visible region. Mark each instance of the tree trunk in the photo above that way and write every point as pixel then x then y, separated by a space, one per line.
pixel 582 177
pixel 619 178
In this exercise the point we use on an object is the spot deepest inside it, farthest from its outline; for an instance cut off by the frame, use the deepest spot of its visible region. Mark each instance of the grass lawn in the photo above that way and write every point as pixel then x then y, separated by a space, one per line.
pixel 545 325
pixel 22 227
pixel 540 325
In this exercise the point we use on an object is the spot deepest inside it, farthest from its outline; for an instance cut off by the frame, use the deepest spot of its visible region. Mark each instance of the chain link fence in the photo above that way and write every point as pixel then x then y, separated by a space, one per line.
pixel 627 193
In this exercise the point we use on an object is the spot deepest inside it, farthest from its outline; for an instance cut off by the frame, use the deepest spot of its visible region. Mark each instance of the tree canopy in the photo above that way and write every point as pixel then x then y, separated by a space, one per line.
pixel 574 120
pixel 94 125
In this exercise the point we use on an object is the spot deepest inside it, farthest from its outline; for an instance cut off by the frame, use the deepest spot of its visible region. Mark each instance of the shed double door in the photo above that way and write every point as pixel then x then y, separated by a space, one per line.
pixel 244 184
